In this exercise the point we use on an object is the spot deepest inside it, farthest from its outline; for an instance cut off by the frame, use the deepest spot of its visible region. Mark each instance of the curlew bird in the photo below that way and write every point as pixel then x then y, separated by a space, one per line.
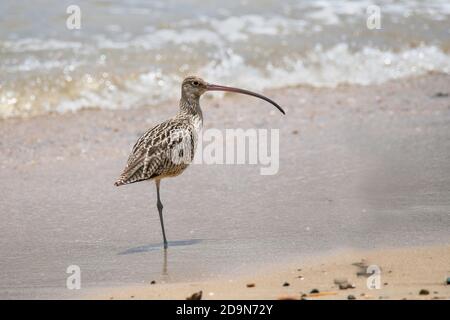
pixel 167 149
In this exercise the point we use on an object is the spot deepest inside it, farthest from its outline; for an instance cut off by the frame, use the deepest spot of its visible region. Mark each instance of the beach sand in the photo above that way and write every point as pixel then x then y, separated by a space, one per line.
pixel 407 273
pixel 361 167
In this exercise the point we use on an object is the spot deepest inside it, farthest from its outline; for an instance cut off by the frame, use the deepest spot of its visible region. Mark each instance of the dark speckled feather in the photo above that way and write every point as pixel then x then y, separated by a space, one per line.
pixel 155 153
pixel 166 149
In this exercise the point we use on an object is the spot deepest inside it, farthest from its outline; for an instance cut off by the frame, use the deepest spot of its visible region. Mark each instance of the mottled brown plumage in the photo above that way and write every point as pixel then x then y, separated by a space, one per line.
pixel 156 153
pixel 167 149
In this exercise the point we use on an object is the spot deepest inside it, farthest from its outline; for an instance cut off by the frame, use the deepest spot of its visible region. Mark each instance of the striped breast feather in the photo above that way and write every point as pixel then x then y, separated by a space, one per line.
pixel 151 156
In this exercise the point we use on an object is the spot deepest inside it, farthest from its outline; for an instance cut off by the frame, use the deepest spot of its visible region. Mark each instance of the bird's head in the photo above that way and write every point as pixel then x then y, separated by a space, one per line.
pixel 193 87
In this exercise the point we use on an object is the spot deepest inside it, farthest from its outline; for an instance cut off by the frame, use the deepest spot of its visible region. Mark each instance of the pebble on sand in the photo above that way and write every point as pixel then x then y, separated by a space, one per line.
pixel 195 296
pixel 424 292
pixel 250 285
pixel 286 284
pixel 346 286
pixel 314 291
pixel 343 284
pixel 351 297
pixel 441 95
pixel 153 282
pixel 448 280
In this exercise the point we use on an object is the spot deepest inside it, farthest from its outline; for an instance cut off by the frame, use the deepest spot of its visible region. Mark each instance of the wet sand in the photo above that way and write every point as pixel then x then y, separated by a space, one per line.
pixel 360 167
pixel 406 273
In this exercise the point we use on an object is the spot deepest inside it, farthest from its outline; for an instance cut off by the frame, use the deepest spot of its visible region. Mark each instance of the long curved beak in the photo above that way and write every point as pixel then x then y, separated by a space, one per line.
pixel 215 87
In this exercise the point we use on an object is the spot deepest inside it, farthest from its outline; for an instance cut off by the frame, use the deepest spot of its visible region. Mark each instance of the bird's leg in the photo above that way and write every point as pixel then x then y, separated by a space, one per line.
pixel 160 207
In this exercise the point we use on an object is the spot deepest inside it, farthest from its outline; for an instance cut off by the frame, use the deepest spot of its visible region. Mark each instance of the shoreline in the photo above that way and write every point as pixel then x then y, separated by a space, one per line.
pixel 405 273
pixel 209 98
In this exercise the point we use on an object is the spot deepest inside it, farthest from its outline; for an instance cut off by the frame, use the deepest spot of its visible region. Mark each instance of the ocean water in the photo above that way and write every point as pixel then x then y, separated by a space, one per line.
pixel 134 53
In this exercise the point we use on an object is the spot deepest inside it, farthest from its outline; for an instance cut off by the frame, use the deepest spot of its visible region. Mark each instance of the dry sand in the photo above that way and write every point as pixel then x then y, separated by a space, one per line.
pixel 364 167
pixel 404 273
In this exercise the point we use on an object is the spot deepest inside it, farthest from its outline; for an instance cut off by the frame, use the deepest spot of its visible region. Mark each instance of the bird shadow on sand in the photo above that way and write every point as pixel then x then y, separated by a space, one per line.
pixel 159 246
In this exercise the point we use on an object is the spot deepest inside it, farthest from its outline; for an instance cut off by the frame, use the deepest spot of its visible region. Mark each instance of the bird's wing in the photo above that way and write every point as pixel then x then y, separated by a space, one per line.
pixel 152 153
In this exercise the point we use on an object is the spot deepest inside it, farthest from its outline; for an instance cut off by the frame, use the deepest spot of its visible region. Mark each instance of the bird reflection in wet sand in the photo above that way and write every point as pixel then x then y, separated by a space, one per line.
pixel 165 274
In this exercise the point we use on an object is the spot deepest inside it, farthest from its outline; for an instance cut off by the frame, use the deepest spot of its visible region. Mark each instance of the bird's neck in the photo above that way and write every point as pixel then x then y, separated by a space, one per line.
pixel 190 106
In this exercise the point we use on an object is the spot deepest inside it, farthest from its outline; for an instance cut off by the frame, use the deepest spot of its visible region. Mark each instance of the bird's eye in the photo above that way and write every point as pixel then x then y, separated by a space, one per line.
pixel 195 83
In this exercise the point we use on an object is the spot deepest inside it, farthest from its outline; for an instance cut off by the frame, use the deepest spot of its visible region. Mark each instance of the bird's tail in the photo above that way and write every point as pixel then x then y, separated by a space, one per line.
pixel 124 179
pixel 118 183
